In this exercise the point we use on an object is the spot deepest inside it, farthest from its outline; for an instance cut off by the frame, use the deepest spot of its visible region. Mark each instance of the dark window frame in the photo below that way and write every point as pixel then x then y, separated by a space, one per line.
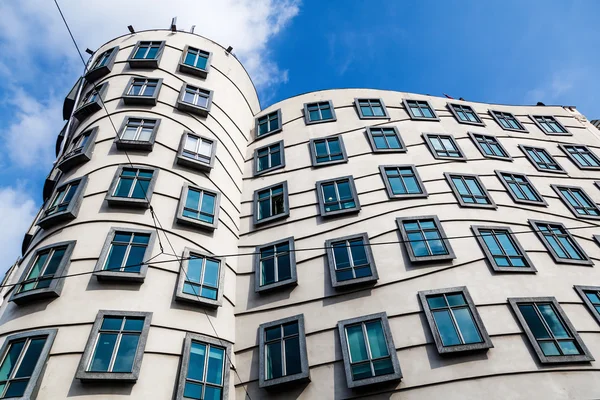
pixel 271 132
pixel 461 202
pixel 319 188
pixel 473 136
pixel 286 205
pixel 86 109
pixel 542 201
pixel 417 118
pixel 130 99
pixel 332 265
pixel 74 158
pixel 151 63
pixel 313 151
pixel 114 201
pixel 292 281
pixel 493 115
pixel 427 138
pixel 443 237
pixel 95 73
pixel 529 268
pixel 564 147
pixel 191 107
pixel 371 99
pixel 193 163
pixel 196 298
pixel 255 171
pixel 535 164
pixel 388 186
pixel 140 145
pixel 539 125
pixel 582 192
pixel 182 219
pixel 193 70
pixel 581 291
pixel 72 210
pixel 307 119
pixel 558 260
pixel 375 149
pixel 453 111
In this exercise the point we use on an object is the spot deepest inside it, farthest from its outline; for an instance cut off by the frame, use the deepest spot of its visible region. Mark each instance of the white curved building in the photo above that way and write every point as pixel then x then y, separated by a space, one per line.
pixel 349 243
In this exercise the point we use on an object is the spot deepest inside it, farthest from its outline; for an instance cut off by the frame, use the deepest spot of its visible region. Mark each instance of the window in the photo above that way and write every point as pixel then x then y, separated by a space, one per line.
pixel 39 278
pixel 146 55
pixel 195 61
pixel 549 125
pixel 420 110
pixel 137 134
pixel 465 114
pixel 199 207
pixel 319 112
pixel 268 124
pixel 371 108
pixel 581 156
pixel 541 159
pixel 520 188
pixel 351 261
pixel 385 140
pixel 489 146
pixel 201 279
pixel 443 147
pixel 502 250
pixel 454 320
pixel 507 121
pixel 577 200
pixel 143 91
pixel 368 350
pixel 271 203
pixel 327 151
pixel 558 241
pixel 549 331
pixel 402 182
pixel 197 152
pixel 425 239
pixel 91 102
pixel 469 191
pixel 275 265
pixel 124 255
pixel 195 100
pixel 115 347
pixel 269 158
pixel 102 65
pixel 282 349
pixel 79 151
pixel 24 356
pixel 204 372
pixel 132 187
pixel 591 298
pixel 64 204
pixel 337 196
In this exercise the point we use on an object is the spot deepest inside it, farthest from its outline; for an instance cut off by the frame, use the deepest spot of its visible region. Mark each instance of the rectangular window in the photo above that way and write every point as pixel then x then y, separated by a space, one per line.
pixel 327 151
pixel 198 207
pixel 591 298
pixel 549 331
pixel 271 203
pixel 581 156
pixel 195 100
pixel 385 140
pixel 520 188
pixel 541 159
pixel 319 112
pixel 337 196
pixel 269 158
pixel 502 250
pixel 64 203
pixel 197 152
pixel 91 102
pixel 61 199
pixel 549 125
pixel 489 146
pixel 371 108
pixel 507 121
pixel 420 110
pixel 402 181
pixel 201 279
pixel 469 191
pixel 102 59
pixel 80 144
pixel 132 187
pixel 142 91
pixel 578 201
pixel 558 241
pixel 147 50
pixel 443 147
pixel 137 134
pixel 351 261
pixel 268 124
pixel 102 65
pixel 454 320
pixel 195 61
pixel 425 239
pixel 275 265
pixel 282 349
pixel 368 350
pixel 124 255
pixel 465 114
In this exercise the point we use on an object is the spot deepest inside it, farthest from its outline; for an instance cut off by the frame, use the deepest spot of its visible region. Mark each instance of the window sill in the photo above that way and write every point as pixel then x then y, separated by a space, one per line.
pixel 191 108
pixel 328 214
pixel 71 161
pixel 198 300
pixel 140 100
pixel 291 380
pixel 134 145
pixel 143 63
pixel 188 69
pixel 127 202
pixel 56 219
pixel 34 295
pixel 97 73
pixel 194 164
pixel 108 377
pixel 197 223
pixel 115 276
pixel 271 287
pixel 86 110
pixel 271 219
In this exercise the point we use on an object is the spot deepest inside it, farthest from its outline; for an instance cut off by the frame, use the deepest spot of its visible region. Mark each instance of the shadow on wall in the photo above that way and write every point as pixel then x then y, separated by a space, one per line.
pixel 77 388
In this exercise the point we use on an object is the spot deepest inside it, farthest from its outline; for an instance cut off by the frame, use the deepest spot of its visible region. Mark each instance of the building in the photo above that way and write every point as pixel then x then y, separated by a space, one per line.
pixel 349 243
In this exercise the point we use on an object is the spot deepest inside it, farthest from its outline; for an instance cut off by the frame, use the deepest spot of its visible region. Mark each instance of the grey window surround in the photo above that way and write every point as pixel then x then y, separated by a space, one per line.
pixel 563 147
pixel 490 257
pixel 75 158
pixel 427 139
pixel 514 304
pixel 196 164
pixel 86 109
pixel 417 118
pixel 493 114
pixel 131 377
pixel 55 287
pixel 450 107
pixel 137 277
pixel 72 209
pixel 535 121
pixel 185 362
pixel 272 132
pixel 140 145
pixel 375 149
pixel 255 170
pixel 557 189
pixel 146 63
pixel 473 135
pixel 532 161
pixel 98 72
pixel 33 385
pixel 486 342
pixel 581 290
pixel 313 151
pixel 353 210
pixel 461 202
pixel 355 281
pixel 359 110
pixel 395 376
pixel 286 205
pixel 196 298
pixel 443 238
pixel 388 187
pixel 193 108
pixel 307 120
pixel 114 201
pixel 596 239
pixel 542 200
pixel 303 376
pixel 196 222
pixel 129 99
pixel 292 281
pixel 192 70
pixel 585 261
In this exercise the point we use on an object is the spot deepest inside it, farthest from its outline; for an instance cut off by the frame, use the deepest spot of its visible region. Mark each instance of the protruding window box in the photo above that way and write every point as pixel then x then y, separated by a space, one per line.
pixel 64 205
pixel 146 54
pixel 142 91
pixel 91 102
pixel 102 65
pixel 201 279
pixel 195 62
pixel 79 151
pixel 199 207
pixel 132 186
pixel 196 152
pixel 350 261
pixel 195 100
pixel 137 134
pixel 275 266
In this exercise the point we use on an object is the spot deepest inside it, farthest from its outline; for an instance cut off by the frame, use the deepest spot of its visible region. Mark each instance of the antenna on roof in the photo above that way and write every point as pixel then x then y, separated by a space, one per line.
pixel 130 27
pixel 192 30
pixel 174 24
pixel 90 52
pixel 229 49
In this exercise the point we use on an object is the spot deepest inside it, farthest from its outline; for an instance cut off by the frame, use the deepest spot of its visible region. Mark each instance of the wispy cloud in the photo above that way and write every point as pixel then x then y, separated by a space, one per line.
pixel 17 210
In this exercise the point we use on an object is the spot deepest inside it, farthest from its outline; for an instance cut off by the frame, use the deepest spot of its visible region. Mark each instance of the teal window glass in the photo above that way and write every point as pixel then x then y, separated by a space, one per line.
pixel 77 144
pixel 550 124
pixel 196 58
pixel 403 180
pixel 116 344
pixel 594 298
pixel 275 263
pixel 147 51
pixel 420 109
pixel 270 202
pixel 465 113
pixel 282 350
pixel 43 269
pixel 200 205
pixel 102 59
pixel 18 364
pixel 371 108
pixel 444 146
pixel 369 354
pixel 337 195
pixel 138 129
pixel 142 87
pixel 453 319
pixel 583 156
pixel 327 150
pixel 133 183
pixel 204 378
pixel 502 247
pixel 424 238
pixel 490 146
pixel 196 96
pixel 198 148
pixel 202 276
pixel 61 199
pixel 126 253
pixel 579 201
pixel 508 121
pixel 268 123
pixel 521 188
pixel 91 96
pixel 542 159
pixel 470 190
pixel 319 111
pixel 561 241
pixel 268 157
pixel 350 259
pixel 385 138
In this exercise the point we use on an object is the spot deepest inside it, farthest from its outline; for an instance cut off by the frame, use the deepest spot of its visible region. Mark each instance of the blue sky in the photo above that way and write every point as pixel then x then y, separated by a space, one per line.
pixel 517 52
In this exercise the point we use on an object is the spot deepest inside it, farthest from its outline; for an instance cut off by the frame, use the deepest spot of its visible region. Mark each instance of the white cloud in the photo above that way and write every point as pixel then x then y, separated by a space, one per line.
pixel 17 210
